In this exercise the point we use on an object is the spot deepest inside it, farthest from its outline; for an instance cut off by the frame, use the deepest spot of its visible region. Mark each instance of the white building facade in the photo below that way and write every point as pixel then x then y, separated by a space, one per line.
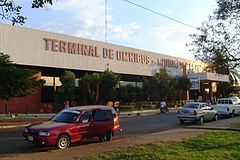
pixel 44 49
pixel 52 53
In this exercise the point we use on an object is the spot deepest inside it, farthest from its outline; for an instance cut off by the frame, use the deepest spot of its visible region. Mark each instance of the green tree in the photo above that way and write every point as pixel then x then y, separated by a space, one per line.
pixel 220 65
pixel 89 87
pixel 217 41
pixel 160 86
pixel 182 86
pixel 98 87
pixel 109 82
pixel 66 90
pixel 12 12
pixel 14 81
pixel 129 94
pixel 223 90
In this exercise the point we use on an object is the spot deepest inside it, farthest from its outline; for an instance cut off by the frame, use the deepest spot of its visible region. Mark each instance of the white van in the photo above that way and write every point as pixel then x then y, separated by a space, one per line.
pixel 227 107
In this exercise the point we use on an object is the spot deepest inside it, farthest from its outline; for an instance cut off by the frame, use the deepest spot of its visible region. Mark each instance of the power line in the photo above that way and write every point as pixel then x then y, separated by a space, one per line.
pixel 148 9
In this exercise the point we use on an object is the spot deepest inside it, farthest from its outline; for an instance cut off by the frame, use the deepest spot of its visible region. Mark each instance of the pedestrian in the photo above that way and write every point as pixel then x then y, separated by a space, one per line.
pixel 66 104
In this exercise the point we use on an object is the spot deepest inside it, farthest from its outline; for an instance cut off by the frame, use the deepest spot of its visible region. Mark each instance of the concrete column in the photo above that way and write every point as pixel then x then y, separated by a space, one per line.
pixel 54 85
pixel 188 95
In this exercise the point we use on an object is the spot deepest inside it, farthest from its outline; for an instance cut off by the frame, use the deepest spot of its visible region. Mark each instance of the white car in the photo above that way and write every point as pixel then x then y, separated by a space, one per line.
pixel 228 107
pixel 196 111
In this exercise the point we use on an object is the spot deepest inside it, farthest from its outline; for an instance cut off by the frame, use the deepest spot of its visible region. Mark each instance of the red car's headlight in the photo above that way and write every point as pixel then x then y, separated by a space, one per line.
pixel 42 133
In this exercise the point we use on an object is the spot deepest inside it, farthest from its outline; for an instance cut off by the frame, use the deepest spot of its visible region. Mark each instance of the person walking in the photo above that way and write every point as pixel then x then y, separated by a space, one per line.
pixel 66 105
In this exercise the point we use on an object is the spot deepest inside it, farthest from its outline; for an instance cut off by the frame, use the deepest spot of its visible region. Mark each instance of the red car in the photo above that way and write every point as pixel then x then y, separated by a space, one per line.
pixel 73 125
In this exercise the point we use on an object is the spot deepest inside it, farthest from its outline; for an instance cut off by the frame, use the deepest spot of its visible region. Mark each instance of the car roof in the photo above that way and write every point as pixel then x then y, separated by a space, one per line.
pixel 226 99
pixel 196 103
pixel 235 98
pixel 91 107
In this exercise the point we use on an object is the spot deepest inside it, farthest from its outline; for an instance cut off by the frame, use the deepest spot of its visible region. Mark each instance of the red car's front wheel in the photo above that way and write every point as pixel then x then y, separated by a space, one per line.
pixel 63 141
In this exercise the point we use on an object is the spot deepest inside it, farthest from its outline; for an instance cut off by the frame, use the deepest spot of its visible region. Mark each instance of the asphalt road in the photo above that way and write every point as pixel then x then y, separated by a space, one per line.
pixel 135 129
pixel 148 124
pixel 11 140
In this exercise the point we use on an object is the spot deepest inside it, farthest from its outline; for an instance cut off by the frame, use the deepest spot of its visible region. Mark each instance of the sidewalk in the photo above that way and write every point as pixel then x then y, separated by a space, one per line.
pixel 21 120
pixel 221 124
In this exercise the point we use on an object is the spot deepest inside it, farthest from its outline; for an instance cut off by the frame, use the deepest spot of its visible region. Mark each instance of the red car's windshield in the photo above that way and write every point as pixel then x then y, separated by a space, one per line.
pixel 66 116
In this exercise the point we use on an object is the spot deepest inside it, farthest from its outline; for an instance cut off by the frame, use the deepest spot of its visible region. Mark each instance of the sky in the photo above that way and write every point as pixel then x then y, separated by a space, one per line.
pixel 127 24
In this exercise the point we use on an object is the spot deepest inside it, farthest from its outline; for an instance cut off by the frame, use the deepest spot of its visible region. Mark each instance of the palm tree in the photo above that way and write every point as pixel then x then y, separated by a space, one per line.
pixel 183 85
pixel 91 83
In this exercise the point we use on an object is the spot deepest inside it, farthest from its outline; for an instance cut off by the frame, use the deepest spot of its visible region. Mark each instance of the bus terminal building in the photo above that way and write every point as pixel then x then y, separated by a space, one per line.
pixel 51 54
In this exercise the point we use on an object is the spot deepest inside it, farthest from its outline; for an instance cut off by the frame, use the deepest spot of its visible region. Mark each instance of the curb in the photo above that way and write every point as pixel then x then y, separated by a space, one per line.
pixel 137 114
pixel 212 128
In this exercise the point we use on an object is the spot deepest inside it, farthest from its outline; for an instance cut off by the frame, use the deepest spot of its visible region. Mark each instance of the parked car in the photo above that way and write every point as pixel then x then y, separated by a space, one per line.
pixel 228 106
pixel 73 125
pixel 196 111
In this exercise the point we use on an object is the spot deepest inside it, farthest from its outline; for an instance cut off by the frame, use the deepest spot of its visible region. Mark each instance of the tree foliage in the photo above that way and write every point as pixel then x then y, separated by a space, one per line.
pixel 109 81
pixel 160 86
pixel 12 12
pixel 218 40
pixel 40 3
pixel 14 81
pixel 66 90
pixel 130 93
pixel 89 87
pixel 182 85
pixel 164 86
pixel 98 87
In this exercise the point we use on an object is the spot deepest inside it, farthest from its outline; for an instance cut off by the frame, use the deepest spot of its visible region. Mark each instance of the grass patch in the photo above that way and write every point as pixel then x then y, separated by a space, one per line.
pixel 212 146
pixel 235 126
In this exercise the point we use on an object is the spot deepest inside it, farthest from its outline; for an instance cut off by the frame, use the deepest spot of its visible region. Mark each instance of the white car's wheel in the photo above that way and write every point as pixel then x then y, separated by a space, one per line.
pixel 232 115
pixel 201 119
pixel 181 121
